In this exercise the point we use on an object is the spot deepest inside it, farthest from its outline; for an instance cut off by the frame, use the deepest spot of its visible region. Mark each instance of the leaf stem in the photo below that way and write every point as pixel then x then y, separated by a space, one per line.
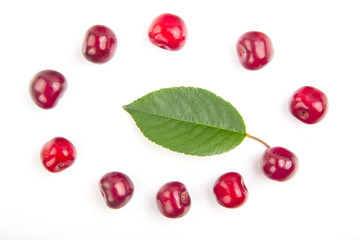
pixel 258 139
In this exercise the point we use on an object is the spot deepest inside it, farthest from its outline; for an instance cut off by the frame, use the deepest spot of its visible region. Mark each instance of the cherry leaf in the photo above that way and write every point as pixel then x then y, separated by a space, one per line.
pixel 188 120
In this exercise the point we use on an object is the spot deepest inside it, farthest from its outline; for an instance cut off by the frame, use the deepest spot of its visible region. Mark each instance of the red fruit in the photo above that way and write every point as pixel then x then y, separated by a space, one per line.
pixel 279 164
pixel 116 188
pixel 230 190
pixel 173 200
pixel 99 44
pixel 254 50
pixel 309 105
pixel 58 154
pixel 47 87
pixel 168 31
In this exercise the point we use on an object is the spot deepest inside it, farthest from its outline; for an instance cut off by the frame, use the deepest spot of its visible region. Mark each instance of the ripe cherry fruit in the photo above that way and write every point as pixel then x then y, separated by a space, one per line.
pixel 279 163
pixel 168 31
pixel 47 87
pixel 308 104
pixel 99 44
pixel 173 200
pixel 230 190
pixel 254 50
pixel 116 188
pixel 58 154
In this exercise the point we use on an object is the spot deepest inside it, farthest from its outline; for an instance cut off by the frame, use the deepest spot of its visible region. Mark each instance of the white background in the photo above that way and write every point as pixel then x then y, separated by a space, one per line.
pixel 316 43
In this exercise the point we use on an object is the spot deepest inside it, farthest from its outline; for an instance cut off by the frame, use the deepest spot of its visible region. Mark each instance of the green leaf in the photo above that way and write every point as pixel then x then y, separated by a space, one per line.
pixel 188 120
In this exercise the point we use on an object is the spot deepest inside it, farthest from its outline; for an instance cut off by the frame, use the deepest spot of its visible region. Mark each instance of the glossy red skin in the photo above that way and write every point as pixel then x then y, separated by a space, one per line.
pixel 117 189
pixel 230 190
pixel 173 200
pixel 168 31
pixel 254 50
pixel 47 87
pixel 99 44
pixel 279 164
pixel 58 154
pixel 309 105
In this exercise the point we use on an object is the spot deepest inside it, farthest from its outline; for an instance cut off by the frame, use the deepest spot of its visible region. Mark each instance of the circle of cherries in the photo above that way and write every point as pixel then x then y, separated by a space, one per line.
pixel 168 31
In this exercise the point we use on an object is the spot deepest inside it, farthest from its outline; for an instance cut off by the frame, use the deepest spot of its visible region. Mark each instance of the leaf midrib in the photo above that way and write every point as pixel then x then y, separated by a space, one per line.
pixel 174 119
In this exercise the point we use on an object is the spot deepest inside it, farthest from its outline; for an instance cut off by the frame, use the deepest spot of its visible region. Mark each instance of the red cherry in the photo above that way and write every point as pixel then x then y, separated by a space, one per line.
pixel 58 154
pixel 168 31
pixel 47 87
pixel 309 105
pixel 254 50
pixel 279 164
pixel 99 44
pixel 173 200
pixel 230 190
pixel 116 188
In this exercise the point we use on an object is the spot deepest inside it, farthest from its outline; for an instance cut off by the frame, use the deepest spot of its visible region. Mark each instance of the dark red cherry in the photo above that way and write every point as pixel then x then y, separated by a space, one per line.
pixel 230 190
pixel 168 31
pixel 47 87
pixel 309 105
pixel 173 200
pixel 58 154
pixel 254 50
pixel 99 44
pixel 116 188
pixel 279 163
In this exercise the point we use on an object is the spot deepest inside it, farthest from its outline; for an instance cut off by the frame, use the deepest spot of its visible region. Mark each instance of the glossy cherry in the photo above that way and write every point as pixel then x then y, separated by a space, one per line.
pixel 117 189
pixel 308 104
pixel 168 31
pixel 254 50
pixel 47 87
pixel 230 190
pixel 173 200
pixel 58 154
pixel 279 163
pixel 99 44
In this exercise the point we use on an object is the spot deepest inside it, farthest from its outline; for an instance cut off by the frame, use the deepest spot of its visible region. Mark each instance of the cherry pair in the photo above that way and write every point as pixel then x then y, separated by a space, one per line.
pixel 173 199
pixel 167 31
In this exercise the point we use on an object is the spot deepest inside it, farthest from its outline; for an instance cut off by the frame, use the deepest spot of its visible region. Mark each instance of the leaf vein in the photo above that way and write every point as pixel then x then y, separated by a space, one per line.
pixel 180 120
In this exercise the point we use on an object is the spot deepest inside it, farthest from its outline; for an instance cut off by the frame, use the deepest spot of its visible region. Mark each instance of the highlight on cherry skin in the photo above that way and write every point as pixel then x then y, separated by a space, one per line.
pixel 230 190
pixel 99 44
pixel 277 163
pixel 309 105
pixel 58 154
pixel 173 200
pixel 168 31
pixel 254 50
pixel 117 189
pixel 47 87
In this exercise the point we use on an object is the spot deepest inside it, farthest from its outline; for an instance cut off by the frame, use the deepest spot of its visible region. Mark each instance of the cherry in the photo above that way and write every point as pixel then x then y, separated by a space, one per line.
pixel 99 44
pixel 308 104
pixel 230 190
pixel 168 31
pixel 47 87
pixel 58 154
pixel 254 50
pixel 279 163
pixel 116 188
pixel 173 200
